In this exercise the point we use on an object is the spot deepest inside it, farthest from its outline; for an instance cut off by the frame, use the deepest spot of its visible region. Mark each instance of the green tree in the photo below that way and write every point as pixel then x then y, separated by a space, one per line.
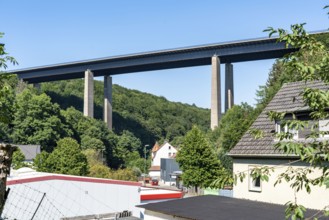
pixel 93 156
pixel 38 121
pixel 123 174
pixel 234 124
pixel 88 142
pixel 41 162
pixel 7 98
pixel 148 117
pixel 137 163
pixel 99 171
pixel 96 164
pixel 66 158
pixel 18 159
pixel 198 160
pixel 311 63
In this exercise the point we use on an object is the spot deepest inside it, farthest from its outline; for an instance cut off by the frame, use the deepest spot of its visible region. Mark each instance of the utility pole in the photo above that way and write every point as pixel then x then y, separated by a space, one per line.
pixel 146 145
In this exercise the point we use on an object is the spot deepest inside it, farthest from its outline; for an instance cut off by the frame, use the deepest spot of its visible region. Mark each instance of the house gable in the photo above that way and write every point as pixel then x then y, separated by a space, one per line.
pixel 287 99
pixel 165 151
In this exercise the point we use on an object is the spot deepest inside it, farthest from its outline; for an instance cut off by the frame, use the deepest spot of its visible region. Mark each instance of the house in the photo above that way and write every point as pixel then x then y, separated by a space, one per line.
pixel 164 151
pixel 250 152
pixel 214 207
pixel 58 196
pixel 29 151
pixel 170 172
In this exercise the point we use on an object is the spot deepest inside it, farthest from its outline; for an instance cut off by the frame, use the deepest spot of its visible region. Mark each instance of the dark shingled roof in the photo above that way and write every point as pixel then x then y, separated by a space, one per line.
pixel 287 99
pixel 219 207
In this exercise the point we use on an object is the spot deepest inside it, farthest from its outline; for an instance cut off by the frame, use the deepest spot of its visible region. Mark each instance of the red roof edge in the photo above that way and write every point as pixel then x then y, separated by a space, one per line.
pixel 72 178
pixel 177 195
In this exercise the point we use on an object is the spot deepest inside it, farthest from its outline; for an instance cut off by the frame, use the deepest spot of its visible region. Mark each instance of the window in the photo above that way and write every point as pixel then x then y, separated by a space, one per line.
pixel 169 154
pixel 255 185
pixel 324 127
pixel 169 147
pixel 284 128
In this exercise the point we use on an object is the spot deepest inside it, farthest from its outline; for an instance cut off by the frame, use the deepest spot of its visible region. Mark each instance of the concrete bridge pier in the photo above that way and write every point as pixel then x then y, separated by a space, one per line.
pixel 88 103
pixel 108 101
pixel 215 93
pixel 229 88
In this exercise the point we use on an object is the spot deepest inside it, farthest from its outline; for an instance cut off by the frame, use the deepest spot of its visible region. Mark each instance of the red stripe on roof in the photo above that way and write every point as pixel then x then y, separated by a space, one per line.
pixel 72 178
pixel 177 195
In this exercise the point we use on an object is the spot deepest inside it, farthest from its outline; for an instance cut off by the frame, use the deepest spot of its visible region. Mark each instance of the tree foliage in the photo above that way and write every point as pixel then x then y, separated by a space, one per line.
pixel 38 121
pixel 123 174
pixel 148 117
pixel 198 160
pixel 7 107
pixel 310 63
pixel 18 159
pixel 66 158
pixel 7 95
pixel 92 134
pixel 234 124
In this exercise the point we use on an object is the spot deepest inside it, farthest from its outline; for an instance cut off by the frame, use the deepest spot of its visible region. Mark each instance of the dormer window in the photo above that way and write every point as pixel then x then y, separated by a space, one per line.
pixel 324 127
pixel 279 128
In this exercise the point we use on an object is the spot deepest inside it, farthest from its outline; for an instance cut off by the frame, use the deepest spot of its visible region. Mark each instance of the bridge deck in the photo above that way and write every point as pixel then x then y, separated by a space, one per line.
pixel 229 52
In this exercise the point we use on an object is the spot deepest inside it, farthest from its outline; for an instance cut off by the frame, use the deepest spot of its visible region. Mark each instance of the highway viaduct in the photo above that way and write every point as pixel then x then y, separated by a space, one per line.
pixel 210 54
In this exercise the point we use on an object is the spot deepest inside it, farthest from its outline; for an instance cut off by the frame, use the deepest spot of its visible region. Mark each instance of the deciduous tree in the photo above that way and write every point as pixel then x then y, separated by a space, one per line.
pixel 6 116
pixel 38 121
pixel 198 160
pixel 66 158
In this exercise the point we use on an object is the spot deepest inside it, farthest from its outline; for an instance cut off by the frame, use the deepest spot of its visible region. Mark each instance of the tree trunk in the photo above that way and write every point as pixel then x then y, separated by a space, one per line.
pixel 6 153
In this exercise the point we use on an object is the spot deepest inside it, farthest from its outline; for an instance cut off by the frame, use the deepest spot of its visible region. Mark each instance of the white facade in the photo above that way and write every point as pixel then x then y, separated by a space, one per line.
pixel 281 193
pixel 165 151
pixel 67 196
pixel 154 173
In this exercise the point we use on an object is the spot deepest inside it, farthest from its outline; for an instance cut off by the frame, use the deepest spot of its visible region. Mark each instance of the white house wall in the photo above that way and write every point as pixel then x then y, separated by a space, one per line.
pixel 154 174
pixel 163 152
pixel 281 193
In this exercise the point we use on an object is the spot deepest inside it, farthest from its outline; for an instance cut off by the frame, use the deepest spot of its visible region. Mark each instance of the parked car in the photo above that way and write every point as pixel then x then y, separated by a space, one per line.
pixel 155 182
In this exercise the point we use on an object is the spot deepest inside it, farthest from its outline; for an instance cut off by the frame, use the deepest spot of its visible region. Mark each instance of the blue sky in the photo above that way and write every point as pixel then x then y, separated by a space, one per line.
pixel 48 32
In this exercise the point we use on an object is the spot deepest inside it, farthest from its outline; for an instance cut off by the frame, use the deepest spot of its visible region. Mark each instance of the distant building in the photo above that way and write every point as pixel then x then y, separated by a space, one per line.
pixel 169 171
pixel 164 151
pixel 29 151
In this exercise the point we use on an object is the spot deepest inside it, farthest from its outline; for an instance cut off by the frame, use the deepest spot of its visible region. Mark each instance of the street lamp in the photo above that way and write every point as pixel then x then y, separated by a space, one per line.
pixel 146 145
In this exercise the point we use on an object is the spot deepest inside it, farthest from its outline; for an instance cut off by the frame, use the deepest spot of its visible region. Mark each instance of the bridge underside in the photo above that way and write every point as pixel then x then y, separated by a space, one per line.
pixel 214 54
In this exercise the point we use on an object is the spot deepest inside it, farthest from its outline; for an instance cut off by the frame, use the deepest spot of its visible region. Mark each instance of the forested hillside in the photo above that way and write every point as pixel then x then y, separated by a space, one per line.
pixel 54 113
pixel 149 117
pixel 52 117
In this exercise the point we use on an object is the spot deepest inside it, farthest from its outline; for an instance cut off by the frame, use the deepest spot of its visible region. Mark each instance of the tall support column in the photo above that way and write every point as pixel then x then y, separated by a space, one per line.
pixel 229 88
pixel 88 105
pixel 215 93
pixel 108 101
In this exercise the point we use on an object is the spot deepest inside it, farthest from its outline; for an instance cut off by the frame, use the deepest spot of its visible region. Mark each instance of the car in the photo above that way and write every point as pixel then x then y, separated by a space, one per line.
pixel 155 182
